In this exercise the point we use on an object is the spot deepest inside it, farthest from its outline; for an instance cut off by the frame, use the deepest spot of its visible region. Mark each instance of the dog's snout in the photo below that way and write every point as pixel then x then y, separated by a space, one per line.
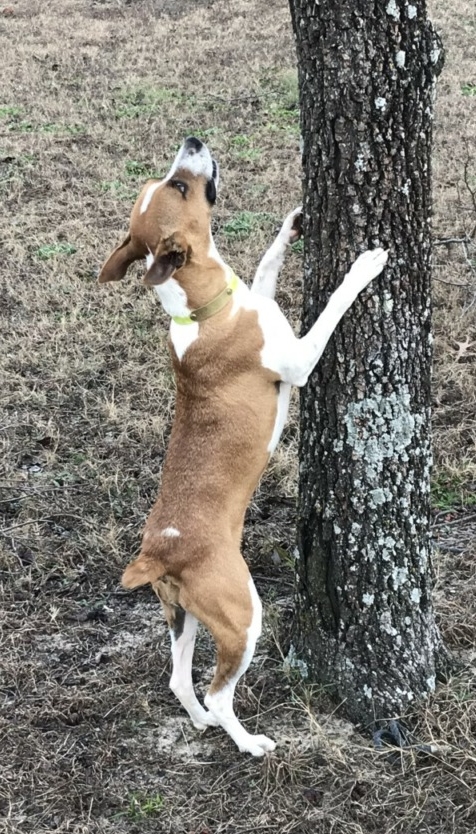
pixel 193 145
pixel 194 157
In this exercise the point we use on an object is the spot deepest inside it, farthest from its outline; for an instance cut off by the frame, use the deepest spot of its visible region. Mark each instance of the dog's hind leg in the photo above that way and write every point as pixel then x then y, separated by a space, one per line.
pixel 183 630
pixel 235 646
pixel 264 282
pixel 183 643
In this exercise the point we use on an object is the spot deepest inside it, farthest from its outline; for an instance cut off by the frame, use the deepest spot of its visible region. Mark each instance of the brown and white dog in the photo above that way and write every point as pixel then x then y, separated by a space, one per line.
pixel 235 359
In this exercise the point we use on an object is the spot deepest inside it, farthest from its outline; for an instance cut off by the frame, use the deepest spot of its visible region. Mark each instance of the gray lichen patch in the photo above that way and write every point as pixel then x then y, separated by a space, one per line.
pixel 380 429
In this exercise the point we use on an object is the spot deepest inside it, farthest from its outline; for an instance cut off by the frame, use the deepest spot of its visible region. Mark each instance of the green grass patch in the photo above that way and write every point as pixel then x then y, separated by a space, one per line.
pixel 298 247
pixel 286 86
pixel 243 147
pixel 281 102
pixel 282 120
pixel 78 458
pixel 249 154
pixel 143 170
pixel 205 133
pixel 52 250
pixel 116 188
pixel 144 101
pixel 22 126
pixel 453 490
pixel 241 140
pixel 8 111
pixel 141 807
pixel 53 127
pixel 468 89
pixel 244 223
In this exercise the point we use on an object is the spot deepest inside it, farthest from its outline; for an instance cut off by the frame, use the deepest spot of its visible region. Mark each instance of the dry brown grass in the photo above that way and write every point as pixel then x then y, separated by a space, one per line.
pixel 96 96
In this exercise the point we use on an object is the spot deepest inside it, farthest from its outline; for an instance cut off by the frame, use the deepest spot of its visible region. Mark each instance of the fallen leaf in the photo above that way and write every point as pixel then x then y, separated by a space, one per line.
pixel 464 349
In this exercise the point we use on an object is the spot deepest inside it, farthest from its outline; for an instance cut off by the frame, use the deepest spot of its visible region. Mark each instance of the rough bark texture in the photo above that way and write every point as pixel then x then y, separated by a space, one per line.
pixel 365 623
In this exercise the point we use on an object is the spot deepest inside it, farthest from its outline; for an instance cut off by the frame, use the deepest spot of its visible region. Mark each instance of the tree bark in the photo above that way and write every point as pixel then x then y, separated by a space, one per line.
pixel 365 621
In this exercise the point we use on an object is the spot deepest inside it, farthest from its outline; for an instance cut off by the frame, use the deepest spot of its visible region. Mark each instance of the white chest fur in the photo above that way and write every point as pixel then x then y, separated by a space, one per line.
pixel 174 301
pixel 272 322
pixel 182 336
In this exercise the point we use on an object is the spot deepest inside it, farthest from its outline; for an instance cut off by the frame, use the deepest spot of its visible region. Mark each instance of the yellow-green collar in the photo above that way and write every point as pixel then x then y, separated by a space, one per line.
pixel 213 306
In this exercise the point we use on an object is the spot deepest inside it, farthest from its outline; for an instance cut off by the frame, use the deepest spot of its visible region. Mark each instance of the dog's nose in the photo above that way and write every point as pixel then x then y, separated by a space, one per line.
pixel 193 144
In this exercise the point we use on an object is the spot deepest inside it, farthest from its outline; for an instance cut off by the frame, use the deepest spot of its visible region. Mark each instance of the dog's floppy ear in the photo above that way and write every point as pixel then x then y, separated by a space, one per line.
pixel 171 254
pixel 119 261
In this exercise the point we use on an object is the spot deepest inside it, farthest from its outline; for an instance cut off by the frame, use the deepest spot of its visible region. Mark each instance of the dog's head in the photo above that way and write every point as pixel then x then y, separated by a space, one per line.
pixel 170 222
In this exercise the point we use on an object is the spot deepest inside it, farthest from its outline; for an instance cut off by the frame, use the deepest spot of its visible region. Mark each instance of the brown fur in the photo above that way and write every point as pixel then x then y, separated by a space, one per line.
pixel 224 418
pixel 171 218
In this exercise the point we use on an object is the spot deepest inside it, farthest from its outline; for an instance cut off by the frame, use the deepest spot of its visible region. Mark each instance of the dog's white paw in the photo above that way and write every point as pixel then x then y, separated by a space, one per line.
pixel 367 266
pixel 291 228
pixel 257 745
pixel 205 720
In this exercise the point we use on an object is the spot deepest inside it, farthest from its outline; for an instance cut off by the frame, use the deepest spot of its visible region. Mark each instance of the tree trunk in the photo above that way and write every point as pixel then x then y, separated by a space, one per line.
pixel 365 622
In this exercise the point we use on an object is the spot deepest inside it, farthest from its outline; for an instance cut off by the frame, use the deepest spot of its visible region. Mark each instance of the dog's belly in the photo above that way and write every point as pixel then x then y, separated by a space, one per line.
pixel 218 450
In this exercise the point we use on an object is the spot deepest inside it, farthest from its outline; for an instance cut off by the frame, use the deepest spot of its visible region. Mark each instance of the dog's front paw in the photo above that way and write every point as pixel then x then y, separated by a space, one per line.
pixel 291 229
pixel 367 266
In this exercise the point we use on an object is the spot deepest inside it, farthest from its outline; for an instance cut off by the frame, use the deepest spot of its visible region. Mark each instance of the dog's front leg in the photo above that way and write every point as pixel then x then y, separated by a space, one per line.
pixel 298 357
pixel 264 282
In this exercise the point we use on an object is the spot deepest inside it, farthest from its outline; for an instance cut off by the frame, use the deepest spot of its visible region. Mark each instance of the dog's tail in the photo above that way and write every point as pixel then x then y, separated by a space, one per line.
pixel 142 570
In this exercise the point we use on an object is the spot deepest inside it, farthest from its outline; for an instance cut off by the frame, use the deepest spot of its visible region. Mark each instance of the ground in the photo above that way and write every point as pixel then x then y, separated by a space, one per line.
pixel 98 96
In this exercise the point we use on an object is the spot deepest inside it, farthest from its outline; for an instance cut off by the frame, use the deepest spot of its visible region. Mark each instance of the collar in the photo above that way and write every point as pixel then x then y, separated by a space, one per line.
pixel 213 306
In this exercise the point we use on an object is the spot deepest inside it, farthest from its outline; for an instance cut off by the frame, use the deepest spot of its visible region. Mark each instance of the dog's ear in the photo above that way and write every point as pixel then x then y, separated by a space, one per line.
pixel 172 254
pixel 119 261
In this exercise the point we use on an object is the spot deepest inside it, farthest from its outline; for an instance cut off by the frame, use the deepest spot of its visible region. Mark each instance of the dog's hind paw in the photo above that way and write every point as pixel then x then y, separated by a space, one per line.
pixel 207 720
pixel 257 745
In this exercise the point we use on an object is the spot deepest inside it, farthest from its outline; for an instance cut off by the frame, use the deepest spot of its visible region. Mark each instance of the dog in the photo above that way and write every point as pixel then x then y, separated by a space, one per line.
pixel 235 358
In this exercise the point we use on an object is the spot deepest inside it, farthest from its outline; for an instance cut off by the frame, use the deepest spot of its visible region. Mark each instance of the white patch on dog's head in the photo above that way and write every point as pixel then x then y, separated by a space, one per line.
pixel 148 196
pixel 195 157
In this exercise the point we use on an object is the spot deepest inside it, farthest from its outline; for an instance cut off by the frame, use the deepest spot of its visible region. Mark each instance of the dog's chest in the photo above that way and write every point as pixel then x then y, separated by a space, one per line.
pixel 219 350
pixel 182 336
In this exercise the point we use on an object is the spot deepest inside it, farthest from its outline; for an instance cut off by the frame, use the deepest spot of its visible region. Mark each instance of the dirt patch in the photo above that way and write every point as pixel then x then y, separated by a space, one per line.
pixel 97 97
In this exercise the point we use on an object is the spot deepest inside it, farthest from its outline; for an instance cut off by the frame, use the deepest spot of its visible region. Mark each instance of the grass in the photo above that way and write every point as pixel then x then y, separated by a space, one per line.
pixel 244 223
pixel 454 488
pixel 144 101
pixel 243 148
pixel 137 169
pixel 142 807
pixel 51 250
pixel 96 742
pixel 9 111
pixel 30 126
pixel 124 191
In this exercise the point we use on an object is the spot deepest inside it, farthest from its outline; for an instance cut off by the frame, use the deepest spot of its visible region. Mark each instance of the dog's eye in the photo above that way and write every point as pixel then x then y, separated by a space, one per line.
pixel 180 186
